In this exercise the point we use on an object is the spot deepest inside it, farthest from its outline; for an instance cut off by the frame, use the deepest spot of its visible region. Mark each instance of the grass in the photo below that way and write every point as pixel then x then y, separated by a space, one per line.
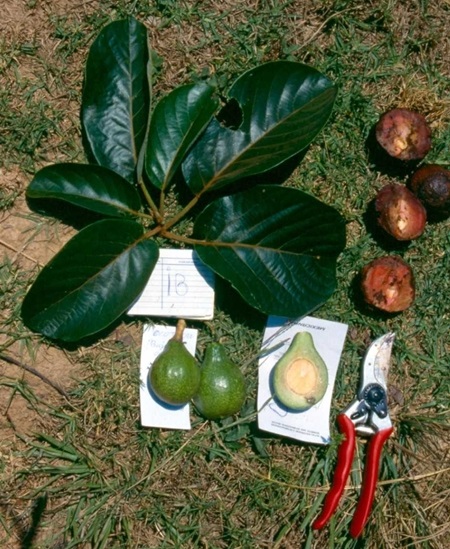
pixel 87 474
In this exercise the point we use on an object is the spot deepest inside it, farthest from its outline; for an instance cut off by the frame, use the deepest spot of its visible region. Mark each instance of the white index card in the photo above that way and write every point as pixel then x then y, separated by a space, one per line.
pixel 155 413
pixel 312 425
pixel 180 286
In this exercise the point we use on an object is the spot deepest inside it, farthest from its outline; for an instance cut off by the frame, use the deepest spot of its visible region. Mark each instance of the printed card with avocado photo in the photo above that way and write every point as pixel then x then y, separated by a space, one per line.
pixel 297 370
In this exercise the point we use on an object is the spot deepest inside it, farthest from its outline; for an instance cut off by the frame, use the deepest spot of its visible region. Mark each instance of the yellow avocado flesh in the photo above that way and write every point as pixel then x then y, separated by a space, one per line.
pixel 300 377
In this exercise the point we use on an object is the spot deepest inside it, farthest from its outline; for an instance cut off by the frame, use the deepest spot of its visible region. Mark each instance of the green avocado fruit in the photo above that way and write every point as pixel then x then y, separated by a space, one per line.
pixel 174 375
pixel 222 388
pixel 300 377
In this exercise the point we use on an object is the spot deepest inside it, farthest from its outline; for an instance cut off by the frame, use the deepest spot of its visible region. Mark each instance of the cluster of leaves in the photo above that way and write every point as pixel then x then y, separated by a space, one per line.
pixel 276 245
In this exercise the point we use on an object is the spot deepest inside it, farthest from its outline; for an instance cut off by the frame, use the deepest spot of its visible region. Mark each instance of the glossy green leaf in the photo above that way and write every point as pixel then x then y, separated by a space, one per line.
pixel 91 282
pixel 116 96
pixel 177 121
pixel 87 186
pixel 283 106
pixel 277 246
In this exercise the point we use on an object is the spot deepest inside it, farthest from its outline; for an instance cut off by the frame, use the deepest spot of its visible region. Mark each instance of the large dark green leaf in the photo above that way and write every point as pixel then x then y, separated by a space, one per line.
pixel 91 187
pixel 116 96
pixel 283 107
pixel 277 246
pixel 91 281
pixel 177 121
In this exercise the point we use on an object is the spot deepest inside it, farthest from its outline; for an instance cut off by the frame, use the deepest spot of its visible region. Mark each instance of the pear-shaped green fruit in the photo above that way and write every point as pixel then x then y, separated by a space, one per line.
pixel 222 388
pixel 175 374
pixel 300 377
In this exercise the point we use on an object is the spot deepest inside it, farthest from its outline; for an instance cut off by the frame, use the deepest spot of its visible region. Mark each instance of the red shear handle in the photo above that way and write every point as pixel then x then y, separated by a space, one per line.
pixel 344 462
pixel 371 471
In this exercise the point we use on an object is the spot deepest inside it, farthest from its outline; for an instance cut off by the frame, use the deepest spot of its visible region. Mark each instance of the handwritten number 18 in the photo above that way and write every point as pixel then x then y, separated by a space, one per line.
pixel 176 285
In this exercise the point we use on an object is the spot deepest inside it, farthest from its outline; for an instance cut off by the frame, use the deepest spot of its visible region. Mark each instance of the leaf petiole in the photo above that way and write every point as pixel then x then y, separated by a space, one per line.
pixel 153 208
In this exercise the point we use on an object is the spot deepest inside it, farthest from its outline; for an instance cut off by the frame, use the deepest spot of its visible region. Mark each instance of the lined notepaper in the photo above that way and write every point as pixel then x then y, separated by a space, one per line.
pixel 180 286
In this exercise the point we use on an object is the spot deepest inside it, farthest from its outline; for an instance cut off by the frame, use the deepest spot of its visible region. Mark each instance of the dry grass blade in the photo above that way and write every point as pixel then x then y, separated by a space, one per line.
pixel 36 373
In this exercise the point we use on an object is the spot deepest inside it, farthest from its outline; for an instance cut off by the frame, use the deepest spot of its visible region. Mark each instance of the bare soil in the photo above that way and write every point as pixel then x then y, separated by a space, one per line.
pixel 27 241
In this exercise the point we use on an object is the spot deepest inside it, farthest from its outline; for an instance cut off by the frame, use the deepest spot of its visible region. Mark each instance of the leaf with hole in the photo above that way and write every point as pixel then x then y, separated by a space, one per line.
pixel 283 105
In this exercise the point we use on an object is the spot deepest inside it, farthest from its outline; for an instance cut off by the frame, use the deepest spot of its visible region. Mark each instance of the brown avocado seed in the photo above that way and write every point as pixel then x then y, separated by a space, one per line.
pixel 387 284
pixel 400 212
pixel 404 134
pixel 431 184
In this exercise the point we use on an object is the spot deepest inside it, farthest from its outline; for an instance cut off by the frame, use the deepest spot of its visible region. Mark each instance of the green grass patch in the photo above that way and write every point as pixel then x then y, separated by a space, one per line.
pixel 87 474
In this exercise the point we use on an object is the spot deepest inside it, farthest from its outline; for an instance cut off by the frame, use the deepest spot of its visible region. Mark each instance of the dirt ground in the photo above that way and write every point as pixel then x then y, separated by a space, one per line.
pixel 51 362
pixel 25 241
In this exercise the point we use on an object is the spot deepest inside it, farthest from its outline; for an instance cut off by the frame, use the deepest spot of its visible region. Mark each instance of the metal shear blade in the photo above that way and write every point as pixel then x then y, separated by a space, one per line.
pixel 375 367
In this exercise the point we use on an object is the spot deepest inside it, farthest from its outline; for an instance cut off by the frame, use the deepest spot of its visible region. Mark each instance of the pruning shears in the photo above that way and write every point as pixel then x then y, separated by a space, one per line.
pixel 367 415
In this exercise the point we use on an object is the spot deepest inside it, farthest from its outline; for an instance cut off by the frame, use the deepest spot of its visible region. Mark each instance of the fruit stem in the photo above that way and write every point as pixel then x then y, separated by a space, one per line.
pixel 181 325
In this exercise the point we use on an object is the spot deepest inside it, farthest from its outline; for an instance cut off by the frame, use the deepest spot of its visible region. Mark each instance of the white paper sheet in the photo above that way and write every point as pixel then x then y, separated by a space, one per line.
pixel 312 425
pixel 180 286
pixel 153 412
